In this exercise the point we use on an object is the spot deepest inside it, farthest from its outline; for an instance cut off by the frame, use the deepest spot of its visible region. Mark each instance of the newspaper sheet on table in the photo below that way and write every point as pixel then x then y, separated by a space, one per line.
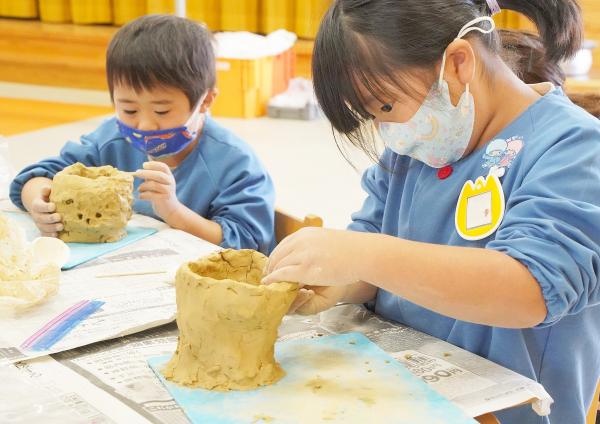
pixel 118 367
pixel 131 303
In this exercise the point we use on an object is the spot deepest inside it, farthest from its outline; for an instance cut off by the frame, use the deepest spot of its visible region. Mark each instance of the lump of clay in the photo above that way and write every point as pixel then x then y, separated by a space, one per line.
pixel 94 203
pixel 24 281
pixel 15 257
pixel 228 322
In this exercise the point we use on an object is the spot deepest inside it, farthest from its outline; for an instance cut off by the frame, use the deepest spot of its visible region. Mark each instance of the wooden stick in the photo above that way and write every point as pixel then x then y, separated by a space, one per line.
pixel 130 274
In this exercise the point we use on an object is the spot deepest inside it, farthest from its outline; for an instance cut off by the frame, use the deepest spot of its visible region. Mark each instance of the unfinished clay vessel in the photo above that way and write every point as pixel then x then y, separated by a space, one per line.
pixel 228 322
pixel 94 203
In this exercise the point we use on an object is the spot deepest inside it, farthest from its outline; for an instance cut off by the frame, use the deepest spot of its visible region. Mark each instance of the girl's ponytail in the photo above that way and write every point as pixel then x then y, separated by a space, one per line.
pixel 559 23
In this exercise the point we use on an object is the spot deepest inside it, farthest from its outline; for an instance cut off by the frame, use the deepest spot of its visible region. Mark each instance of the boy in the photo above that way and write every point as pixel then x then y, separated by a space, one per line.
pixel 190 172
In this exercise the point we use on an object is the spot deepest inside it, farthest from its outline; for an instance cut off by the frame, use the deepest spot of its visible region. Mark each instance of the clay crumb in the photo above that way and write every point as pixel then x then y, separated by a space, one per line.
pixel 320 334
pixel 316 384
pixel 352 342
pixel 408 356
pixel 263 419
pixel 367 400
pixel 446 354
pixel 369 370
pixel 387 361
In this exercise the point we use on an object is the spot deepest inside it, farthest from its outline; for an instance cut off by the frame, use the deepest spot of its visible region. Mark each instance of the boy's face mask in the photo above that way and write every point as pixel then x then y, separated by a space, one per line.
pixel 160 144
pixel 439 133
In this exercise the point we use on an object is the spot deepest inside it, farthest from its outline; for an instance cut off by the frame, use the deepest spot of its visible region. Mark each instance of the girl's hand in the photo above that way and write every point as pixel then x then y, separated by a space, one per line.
pixel 314 299
pixel 318 257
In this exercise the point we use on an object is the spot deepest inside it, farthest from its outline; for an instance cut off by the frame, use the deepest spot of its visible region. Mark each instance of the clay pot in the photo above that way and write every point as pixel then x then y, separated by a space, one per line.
pixel 94 203
pixel 228 322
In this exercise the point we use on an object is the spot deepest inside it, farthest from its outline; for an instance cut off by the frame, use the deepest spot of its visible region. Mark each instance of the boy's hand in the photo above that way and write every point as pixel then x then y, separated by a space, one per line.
pixel 159 188
pixel 43 214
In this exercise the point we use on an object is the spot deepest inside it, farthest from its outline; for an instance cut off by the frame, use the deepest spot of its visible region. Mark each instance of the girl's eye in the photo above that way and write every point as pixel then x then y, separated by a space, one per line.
pixel 130 112
pixel 387 107
pixel 163 112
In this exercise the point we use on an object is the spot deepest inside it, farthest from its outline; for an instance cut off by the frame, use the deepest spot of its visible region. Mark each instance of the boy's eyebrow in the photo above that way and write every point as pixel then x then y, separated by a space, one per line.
pixel 155 102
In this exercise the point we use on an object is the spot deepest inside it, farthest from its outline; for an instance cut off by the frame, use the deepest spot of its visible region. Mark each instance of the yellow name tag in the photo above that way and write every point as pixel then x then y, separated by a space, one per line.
pixel 480 207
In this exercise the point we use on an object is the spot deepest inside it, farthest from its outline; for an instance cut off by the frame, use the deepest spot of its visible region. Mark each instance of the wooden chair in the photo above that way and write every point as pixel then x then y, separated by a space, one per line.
pixel 286 224
pixel 487 419
pixel 594 408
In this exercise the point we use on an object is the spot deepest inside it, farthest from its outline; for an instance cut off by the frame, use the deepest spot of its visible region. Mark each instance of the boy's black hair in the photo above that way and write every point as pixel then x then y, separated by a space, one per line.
pixel 162 50
pixel 378 43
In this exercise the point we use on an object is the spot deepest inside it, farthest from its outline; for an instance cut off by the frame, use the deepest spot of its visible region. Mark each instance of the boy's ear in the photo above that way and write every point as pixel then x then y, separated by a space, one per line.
pixel 211 95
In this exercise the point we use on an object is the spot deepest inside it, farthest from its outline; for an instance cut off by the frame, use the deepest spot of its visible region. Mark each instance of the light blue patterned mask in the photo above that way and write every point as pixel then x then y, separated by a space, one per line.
pixel 439 133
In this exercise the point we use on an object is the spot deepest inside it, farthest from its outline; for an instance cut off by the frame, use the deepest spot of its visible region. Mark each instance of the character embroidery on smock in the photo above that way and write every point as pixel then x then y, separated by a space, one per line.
pixel 501 153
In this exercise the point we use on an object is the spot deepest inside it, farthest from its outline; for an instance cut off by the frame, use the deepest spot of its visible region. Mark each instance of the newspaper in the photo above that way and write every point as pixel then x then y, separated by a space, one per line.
pixel 129 303
pixel 118 367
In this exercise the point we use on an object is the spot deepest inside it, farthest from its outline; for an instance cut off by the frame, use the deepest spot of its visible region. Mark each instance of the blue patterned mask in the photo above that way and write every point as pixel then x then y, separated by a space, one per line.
pixel 162 143
pixel 439 133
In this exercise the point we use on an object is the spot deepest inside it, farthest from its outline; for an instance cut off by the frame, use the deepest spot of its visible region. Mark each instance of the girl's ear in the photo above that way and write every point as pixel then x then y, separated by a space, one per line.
pixel 460 61
pixel 460 67
pixel 211 95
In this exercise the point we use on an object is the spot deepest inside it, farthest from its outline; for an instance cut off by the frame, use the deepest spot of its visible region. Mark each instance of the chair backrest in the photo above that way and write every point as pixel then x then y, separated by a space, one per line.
pixel 286 224
pixel 594 408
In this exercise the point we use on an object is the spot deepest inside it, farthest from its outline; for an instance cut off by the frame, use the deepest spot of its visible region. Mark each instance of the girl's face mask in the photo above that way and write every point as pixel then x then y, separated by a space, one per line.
pixel 439 133
pixel 160 144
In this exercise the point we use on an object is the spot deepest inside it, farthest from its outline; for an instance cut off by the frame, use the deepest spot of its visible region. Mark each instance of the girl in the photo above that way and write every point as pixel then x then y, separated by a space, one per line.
pixel 481 223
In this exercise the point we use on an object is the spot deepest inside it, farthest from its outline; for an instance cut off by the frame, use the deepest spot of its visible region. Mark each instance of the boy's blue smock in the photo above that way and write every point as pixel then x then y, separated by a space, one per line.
pixel 221 180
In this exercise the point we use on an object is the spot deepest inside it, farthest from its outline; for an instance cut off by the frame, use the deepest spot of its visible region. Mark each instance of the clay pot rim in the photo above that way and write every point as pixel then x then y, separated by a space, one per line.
pixel 117 174
pixel 126 178
pixel 280 286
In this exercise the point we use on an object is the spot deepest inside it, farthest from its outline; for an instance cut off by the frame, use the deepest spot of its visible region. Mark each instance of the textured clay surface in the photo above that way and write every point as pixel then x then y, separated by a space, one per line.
pixel 94 203
pixel 228 322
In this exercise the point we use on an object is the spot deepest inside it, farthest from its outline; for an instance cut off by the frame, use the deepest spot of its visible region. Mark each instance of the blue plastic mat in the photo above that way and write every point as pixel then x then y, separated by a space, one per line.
pixel 84 252
pixel 344 378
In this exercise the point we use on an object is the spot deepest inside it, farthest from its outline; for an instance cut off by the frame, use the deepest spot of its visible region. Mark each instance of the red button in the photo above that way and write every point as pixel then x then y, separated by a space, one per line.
pixel 445 172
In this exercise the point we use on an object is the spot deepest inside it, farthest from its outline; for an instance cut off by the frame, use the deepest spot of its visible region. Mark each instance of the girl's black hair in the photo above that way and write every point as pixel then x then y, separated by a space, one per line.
pixel 374 43
pixel 524 52
pixel 166 50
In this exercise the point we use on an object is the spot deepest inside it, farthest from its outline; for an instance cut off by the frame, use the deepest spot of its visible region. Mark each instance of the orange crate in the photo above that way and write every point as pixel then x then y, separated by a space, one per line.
pixel 247 85
pixel 244 87
pixel 284 69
